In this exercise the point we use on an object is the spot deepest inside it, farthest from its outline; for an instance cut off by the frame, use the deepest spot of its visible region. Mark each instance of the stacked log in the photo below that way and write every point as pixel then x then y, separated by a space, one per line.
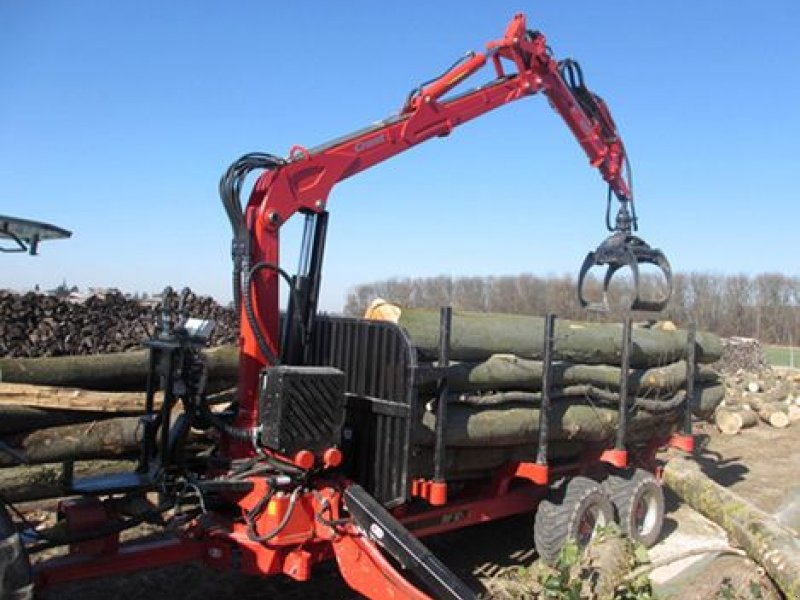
pixel 495 388
pixel 769 396
pixel 114 372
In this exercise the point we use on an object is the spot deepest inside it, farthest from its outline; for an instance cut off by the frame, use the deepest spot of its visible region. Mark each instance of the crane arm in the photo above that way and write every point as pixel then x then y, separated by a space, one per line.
pixel 306 181
pixel 303 181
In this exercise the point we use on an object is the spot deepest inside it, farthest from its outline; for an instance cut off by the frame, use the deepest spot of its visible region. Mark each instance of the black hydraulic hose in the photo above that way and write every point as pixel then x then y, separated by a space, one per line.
pixel 230 188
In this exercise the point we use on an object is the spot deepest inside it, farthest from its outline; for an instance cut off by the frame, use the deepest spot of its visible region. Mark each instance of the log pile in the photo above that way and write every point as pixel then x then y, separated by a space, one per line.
pixel 768 396
pixel 42 325
pixel 71 381
pixel 495 388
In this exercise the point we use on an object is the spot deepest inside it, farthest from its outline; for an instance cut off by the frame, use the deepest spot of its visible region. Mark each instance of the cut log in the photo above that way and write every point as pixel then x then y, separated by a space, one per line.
pixel 518 425
pixel 509 372
pixel 99 439
pixel 36 482
pixel 121 371
pixel 774 414
pixel 731 421
pixel 764 540
pixel 706 400
pixel 476 336
pixel 19 419
pixel 71 398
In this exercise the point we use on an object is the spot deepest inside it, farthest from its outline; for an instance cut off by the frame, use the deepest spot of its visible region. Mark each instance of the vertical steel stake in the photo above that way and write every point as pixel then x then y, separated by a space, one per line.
pixel 622 421
pixel 445 326
pixel 691 369
pixel 547 378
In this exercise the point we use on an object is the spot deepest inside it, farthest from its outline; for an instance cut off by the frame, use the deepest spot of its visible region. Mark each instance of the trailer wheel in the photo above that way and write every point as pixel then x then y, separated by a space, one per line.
pixel 639 501
pixel 576 516
pixel 15 569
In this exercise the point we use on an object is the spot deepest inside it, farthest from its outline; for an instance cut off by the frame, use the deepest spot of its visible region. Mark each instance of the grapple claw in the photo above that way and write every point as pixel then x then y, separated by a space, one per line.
pixel 619 250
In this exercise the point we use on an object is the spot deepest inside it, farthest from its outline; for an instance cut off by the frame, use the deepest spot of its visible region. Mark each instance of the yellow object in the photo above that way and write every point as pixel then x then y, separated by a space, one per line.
pixel 381 310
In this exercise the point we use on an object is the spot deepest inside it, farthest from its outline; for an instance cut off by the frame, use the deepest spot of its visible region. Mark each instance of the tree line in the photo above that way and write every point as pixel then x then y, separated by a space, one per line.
pixel 764 306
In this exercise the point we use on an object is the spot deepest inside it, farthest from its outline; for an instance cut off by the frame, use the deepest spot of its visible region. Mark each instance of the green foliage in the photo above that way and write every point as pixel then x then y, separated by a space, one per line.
pixel 577 573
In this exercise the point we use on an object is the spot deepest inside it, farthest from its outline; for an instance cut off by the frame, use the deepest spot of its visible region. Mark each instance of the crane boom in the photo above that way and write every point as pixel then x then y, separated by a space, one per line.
pixel 303 183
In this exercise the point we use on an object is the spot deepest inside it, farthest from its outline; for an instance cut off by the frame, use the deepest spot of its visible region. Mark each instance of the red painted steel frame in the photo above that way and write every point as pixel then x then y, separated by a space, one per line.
pixel 307 541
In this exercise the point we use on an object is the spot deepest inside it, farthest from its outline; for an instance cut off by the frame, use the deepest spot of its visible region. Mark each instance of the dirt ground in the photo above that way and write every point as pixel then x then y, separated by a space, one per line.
pixel 759 464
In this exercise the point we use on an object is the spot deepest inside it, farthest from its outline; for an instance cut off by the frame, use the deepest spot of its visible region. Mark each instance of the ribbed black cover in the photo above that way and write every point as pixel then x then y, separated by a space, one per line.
pixel 378 362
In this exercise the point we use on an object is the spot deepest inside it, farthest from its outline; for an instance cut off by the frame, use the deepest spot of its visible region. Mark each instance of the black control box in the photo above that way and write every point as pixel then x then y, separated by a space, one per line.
pixel 301 408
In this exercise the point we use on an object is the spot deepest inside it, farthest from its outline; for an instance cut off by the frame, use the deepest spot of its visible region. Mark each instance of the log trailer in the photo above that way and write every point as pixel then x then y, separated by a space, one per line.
pixel 317 460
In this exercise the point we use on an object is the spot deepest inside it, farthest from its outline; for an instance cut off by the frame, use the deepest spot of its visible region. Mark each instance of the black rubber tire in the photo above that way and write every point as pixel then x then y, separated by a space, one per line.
pixel 16 582
pixel 638 499
pixel 559 520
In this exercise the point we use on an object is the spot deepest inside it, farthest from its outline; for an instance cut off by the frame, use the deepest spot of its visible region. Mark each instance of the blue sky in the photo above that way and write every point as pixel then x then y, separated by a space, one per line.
pixel 117 119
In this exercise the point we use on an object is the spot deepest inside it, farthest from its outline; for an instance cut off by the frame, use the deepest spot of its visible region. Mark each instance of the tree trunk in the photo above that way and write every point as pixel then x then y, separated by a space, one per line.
pixel 19 419
pixel 774 414
pixel 476 336
pixel 71 398
pixel 509 372
pixel 518 425
pixel 99 439
pixel 732 420
pixel 20 484
pixel 116 372
pixel 706 400
pixel 764 540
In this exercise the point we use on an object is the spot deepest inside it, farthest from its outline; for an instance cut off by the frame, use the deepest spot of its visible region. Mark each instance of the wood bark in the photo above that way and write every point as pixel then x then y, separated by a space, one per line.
pixel 19 419
pixel 706 400
pixel 509 372
pixel 764 540
pixel 476 336
pixel 518 425
pixel 98 439
pixel 730 420
pixel 774 414
pixel 123 371
pixel 71 398
pixel 37 482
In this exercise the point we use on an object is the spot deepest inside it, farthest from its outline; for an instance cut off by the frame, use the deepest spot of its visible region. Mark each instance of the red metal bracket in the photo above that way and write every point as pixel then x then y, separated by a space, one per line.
pixel 368 572
pixel 617 458
pixel 682 441
pixel 533 472
pixel 434 492
pixel 87 514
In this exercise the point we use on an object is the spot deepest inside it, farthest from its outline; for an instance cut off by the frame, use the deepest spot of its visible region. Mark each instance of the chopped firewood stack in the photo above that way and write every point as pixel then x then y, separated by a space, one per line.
pixel 43 325
pixel 767 396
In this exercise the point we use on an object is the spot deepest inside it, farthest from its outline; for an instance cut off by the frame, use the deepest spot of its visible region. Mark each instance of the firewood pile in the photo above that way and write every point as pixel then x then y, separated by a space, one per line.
pixel 741 354
pixel 34 324
pixel 768 396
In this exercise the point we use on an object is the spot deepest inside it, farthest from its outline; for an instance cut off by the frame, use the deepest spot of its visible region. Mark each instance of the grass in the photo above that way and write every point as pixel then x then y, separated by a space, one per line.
pixel 782 356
